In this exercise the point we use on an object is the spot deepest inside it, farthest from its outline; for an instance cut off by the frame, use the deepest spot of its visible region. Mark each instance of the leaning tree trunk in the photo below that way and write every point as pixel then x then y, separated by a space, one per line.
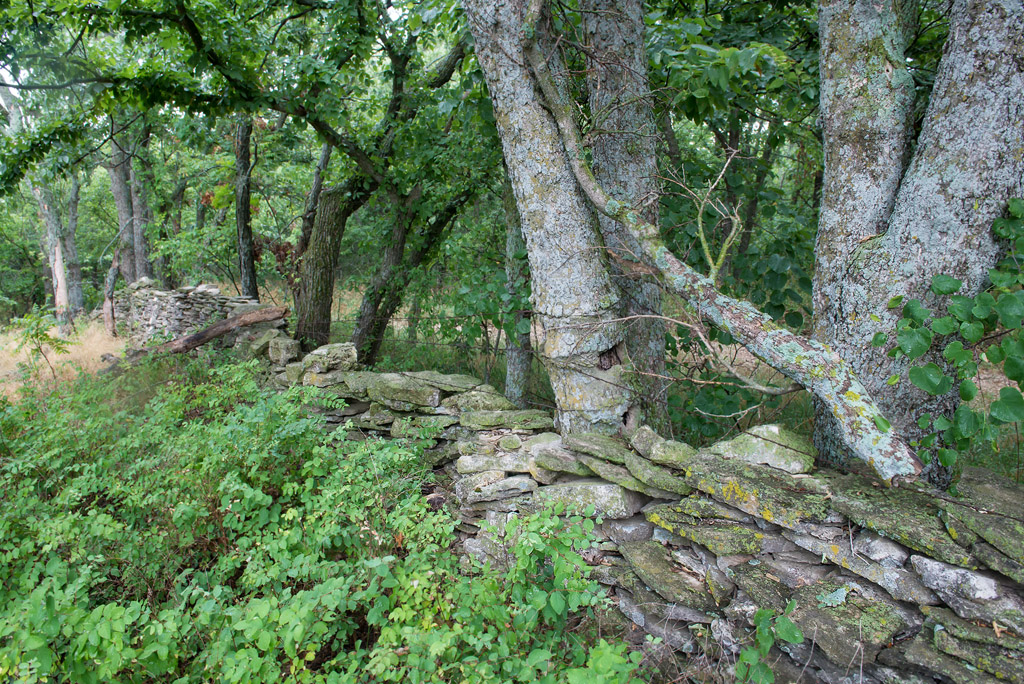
pixel 518 351
pixel 121 190
pixel 573 296
pixel 887 227
pixel 624 137
pixel 243 210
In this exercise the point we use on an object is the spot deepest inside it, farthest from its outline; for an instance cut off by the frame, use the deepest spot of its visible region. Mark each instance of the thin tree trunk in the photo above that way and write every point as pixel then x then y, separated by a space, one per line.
pixel 109 282
pixel 54 248
pixel 625 163
pixel 120 188
pixel 243 210
pixel 76 298
pixel 518 350
pixel 142 214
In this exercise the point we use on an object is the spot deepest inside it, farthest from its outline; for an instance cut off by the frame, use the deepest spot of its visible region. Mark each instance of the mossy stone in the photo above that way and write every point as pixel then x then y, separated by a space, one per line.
pixel 560 460
pixel 608 500
pixel 621 476
pixel 922 652
pixel 1002 532
pixel 985 657
pixel 654 605
pixel 598 445
pixel 770 445
pixel 510 442
pixel 653 565
pixel 446 382
pixel 672 454
pixel 656 476
pixel 390 388
pixel 477 400
pixel 528 419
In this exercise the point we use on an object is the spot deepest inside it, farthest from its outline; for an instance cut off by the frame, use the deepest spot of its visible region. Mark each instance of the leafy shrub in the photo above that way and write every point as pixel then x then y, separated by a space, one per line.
pixel 198 527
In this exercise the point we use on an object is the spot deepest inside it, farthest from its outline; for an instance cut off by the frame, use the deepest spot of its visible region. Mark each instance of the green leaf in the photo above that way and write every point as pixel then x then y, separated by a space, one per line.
pixel 914 341
pixel 1009 408
pixel 960 307
pixel 968 390
pixel 930 379
pixel 523 326
pixel 881 423
pixel 947 457
pixel 972 332
pixel 894 302
pixel 944 326
pixel 1010 309
pixel 786 630
pixel 1014 368
pixel 879 339
pixel 966 422
pixel 944 285
pixel 915 311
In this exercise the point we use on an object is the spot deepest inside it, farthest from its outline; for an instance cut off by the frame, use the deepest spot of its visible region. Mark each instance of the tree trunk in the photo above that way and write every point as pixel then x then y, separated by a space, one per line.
pixel 885 232
pixel 309 213
pixel 120 188
pixel 320 260
pixel 221 328
pixel 76 299
pixel 243 210
pixel 625 163
pixel 572 293
pixel 518 352
pixel 54 246
pixel 109 282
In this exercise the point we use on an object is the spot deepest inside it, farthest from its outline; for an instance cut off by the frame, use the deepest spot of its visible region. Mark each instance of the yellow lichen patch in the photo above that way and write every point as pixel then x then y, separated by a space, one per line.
pixel 732 491
pixel 767 515
pixel 851 395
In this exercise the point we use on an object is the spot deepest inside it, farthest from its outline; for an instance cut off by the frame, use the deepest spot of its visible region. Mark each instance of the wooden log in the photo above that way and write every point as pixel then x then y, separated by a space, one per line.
pixel 220 328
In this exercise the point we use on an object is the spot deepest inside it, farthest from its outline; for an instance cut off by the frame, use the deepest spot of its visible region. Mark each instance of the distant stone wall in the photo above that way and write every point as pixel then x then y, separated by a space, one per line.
pixel 149 312
pixel 890 585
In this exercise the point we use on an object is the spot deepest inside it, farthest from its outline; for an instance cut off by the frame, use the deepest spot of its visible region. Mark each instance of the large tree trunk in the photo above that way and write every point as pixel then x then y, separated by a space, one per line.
pixel 625 163
pixel 573 296
pixel 320 260
pixel 243 210
pixel 121 190
pixel 54 244
pixel 313 199
pixel 142 214
pixel 518 350
pixel 886 228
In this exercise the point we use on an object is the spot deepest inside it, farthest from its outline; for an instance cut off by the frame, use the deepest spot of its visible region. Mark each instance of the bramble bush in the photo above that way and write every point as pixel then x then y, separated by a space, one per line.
pixel 182 523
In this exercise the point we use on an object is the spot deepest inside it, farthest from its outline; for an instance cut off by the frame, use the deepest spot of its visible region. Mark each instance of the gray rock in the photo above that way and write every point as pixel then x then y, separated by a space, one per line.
pixel 261 345
pixel 636 528
pixel 883 551
pixel 972 595
pixel 340 356
pixel 475 482
pixel 608 500
pixel 476 463
pixel 283 350
pixel 515 420
pixel 770 445
pixel 502 489
pixel 477 400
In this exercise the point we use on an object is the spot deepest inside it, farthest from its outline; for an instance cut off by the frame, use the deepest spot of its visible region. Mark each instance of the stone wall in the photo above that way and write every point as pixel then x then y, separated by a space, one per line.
pixel 890 585
pixel 148 312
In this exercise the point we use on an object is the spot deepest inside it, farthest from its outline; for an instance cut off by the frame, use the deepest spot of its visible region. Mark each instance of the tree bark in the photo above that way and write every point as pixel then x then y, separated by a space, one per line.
pixel 625 164
pixel 572 293
pixel 142 214
pixel 243 210
pixel 221 328
pixel 120 188
pixel 76 298
pixel 109 282
pixel 886 228
pixel 320 260
pixel 518 350
pixel 54 244
pixel 309 213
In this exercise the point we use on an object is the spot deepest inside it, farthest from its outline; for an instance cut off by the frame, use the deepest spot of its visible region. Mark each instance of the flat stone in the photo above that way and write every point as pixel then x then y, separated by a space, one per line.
pixel 993 559
pixel 637 528
pixel 991 492
pixel 770 445
pixel 620 476
pixel 339 356
pixel 502 489
pixel 906 516
pixel 261 345
pixel 376 418
pixel 701 507
pixel 542 439
pixel 858 627
pixel 389 388
pixel 962 629
pixel 475 482
pixel 643 440
pixel 656 476
pixel 528 419
pixel 671 453
pixel 552 457
pixel 421 427
pixel 1003 532
pixel 293 373
pixel 901 584
pixel 609 501
pixel 654 605
pixel 283 350
pixel 446 382
pixel 984 657
pixel 597 445
pixel 970 594
pixel 510 442
pixel 922 653
pixel 883 551
pixel 723 538
pixel 323 379
pixel 653 565
pixel 477 400
pixel 476 463
pixel 672 632
pixel 764 591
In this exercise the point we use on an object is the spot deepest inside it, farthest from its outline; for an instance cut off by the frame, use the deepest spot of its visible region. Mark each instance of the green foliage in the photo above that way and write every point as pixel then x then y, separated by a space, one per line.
pixel 768 629
pixel 182 523
pixel 32 334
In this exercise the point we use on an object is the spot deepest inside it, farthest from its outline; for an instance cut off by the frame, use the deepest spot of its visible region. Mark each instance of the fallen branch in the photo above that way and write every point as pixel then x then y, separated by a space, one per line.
pixel 808 362
pixel 221 328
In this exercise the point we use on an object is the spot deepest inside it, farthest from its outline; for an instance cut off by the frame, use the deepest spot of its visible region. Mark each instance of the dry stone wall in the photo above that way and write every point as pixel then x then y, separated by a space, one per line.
pixel 147 311
pixel 890 585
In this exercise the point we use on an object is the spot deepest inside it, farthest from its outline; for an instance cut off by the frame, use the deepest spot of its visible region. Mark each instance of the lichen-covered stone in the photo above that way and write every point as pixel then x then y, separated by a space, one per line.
pixel 476 463
pixel 884 551
pixel 542 439
pixel 765 592
pixel 321 379
pixel 339 356
pixel 417 427
pixel 656 476
pixel 670 453
pixel 637 528
pixel 528 419
pixel 510 442
pixel 1005 665
pixel 376 418
pixel 854 629
pixel 962 629
pixel 922 653
pixel 703 507
pixel 723 538
pixel 619 475
pixel 901 584
pixel 283 350
pixel 293 372
pixel 993 559
pixel 477 400
pixel 672 632
pixel 550 456
pixel 643 440
pixel 598 445
pixel 445 382
pixel 907 516
pixel 475 482
pixel 770 445
pixel 608 500
pixel 389 388
pixel 261 345
pixel 654 605
pixel 970 594
pixel 653 565
pixel 1003 532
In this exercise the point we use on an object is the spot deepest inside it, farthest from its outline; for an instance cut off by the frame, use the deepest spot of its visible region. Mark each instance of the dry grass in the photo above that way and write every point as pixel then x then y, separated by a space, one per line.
pixel 84 355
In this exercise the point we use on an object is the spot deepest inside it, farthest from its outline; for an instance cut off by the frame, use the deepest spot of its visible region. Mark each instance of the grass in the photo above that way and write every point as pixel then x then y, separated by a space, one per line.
pixel 89 344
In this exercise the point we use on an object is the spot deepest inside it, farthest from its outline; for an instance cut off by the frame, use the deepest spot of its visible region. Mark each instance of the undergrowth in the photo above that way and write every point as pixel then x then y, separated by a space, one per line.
pixel 182 523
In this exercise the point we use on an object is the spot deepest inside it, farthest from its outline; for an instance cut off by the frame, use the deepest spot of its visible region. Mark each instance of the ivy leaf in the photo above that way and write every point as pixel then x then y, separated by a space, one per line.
pixel 930 379
pixel 972 332
pixel 1010 309
pixel 915 311
pixel 944 326
pixel 786 630
pixel 914 341
pixel 943 284
pixel 879 339
pixel 968 390
pixel 1009 408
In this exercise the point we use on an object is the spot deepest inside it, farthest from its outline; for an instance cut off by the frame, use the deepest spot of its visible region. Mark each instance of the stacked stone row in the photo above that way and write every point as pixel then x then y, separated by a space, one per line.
pixel 149 312
pixel 889 585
